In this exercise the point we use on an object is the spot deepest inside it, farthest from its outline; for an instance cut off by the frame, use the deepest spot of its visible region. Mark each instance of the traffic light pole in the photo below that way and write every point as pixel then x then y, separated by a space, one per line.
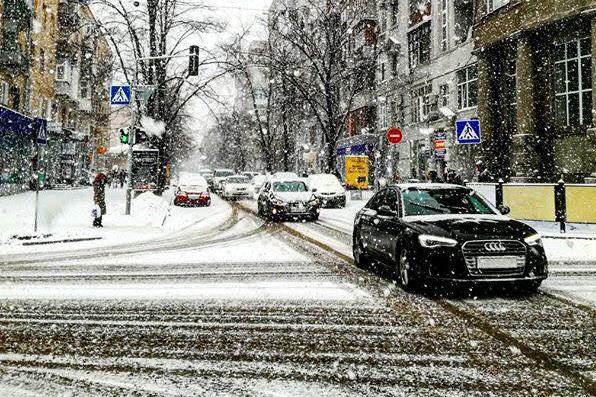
pixel 131 137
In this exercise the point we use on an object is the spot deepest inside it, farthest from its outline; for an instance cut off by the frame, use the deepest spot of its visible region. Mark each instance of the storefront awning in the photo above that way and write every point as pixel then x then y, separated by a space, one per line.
pixel 358 144
pixel 16 124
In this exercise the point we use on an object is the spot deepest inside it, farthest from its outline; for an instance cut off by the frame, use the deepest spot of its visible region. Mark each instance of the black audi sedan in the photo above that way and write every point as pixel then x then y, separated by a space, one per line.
pixel 447 233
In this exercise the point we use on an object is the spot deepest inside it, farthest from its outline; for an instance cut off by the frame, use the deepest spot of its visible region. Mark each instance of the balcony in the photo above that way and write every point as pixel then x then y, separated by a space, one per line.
pixel 63 88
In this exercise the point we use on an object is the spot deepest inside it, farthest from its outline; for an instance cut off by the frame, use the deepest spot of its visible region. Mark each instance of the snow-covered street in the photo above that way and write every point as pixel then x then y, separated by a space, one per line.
pixel 226 304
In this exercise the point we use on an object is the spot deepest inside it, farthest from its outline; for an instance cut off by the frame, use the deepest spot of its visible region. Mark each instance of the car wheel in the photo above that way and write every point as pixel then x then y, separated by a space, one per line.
pixel 405 272
pixel 528 287
pixel 361 260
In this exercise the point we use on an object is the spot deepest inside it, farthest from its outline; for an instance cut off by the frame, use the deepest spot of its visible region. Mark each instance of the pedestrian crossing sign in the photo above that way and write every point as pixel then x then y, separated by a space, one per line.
pixel 468 132
pixel 120 95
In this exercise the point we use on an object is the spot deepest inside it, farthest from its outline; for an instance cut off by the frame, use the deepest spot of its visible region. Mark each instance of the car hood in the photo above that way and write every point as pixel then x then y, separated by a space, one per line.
pixel 470 227
pixel 325 189
pixel 292 197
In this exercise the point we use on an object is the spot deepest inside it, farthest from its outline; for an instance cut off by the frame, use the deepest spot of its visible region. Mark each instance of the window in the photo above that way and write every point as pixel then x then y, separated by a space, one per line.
pixel 63 71
pixel 463 19
pixel 4 90
pixel 573 82
pixel 383 116
pixel 492 5
pixel 444 95
pixel 42 60
pixel 444 25
pixel 394 64
pixel 394 12
pixel 467 88
pixel 419 45
pixel 84 88
pixel 383 70
pixel 421 102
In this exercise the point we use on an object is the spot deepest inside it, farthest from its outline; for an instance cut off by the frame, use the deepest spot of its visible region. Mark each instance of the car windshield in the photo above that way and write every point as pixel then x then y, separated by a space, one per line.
pixel 237 179
pixel 224 173
pixel 294 186
pixel 444 201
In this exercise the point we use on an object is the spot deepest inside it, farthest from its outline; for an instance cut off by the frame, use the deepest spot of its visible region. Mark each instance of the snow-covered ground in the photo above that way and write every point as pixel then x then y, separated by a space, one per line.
pixel 66 214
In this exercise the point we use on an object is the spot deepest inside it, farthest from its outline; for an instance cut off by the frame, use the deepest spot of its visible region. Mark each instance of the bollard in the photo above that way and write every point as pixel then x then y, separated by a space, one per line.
pixel 499 193
pixel 560 205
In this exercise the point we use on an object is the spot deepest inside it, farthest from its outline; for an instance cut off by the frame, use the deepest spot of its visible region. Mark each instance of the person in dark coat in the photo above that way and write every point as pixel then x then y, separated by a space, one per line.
pixel 433 177
pixel 99 196
pixel 484 175
pixel 453 177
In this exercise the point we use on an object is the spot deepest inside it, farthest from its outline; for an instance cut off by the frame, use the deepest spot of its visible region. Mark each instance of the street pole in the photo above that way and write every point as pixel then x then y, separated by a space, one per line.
pixel 36 181
pixel 129 181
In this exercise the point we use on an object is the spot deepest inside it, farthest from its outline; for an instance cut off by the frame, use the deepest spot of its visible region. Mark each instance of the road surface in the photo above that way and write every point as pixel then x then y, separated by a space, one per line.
pixel 252 309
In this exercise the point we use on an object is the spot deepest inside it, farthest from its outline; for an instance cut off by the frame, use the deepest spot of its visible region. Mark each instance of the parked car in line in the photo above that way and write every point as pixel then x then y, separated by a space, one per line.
pixel 208 175
pixel 236 187
pixel 447 233
pixel 328 189
pixel 219 176
pixel 288 198
pixel 192 190
pixel 250 174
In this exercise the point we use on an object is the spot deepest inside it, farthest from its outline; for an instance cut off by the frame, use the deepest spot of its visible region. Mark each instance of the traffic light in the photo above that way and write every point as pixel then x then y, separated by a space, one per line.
pixel 124 138
pixel 193 61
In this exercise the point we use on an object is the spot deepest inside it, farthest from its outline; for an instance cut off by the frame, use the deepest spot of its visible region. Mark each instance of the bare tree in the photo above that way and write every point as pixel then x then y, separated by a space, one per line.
pixel 331 70
pixel 146 40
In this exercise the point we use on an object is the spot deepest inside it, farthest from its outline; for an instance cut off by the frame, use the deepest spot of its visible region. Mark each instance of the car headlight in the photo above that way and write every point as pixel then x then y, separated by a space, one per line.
pixel 277 201
pixel 428 241
pixel 534 240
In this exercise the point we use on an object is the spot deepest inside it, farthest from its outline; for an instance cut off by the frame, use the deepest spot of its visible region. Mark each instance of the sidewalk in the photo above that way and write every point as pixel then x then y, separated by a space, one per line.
pixel 65 217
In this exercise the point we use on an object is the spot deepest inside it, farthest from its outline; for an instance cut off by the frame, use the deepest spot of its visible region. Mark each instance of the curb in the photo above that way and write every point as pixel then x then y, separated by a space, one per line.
pixel 70 240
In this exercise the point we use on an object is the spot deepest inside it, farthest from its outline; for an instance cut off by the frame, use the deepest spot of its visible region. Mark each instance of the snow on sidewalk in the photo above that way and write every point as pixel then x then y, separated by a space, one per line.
pixel 66 214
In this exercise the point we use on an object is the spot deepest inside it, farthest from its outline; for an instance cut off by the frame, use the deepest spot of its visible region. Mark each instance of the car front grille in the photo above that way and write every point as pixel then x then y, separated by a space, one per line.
pixel 488 249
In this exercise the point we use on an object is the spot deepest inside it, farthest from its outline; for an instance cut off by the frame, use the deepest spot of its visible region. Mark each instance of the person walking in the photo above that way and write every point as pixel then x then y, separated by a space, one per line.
pixel 433 177
pixel 122 178
pixel 484 175
pixel 99 198
pixel 453 177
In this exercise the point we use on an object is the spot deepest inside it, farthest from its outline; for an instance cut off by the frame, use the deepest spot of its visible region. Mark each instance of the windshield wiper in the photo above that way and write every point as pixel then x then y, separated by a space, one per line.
pixel 428 207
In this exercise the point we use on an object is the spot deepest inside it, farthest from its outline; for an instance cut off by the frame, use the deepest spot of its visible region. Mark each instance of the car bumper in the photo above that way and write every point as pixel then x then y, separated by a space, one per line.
pixel 192 202
pixel 285 213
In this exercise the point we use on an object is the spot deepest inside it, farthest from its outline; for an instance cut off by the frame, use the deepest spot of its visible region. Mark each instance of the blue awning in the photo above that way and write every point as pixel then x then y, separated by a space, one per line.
pixel 16 124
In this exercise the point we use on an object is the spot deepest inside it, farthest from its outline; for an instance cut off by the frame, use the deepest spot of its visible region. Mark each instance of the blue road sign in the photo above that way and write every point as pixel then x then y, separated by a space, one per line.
pixel 42 131
pixel 468 132
pixel 120 95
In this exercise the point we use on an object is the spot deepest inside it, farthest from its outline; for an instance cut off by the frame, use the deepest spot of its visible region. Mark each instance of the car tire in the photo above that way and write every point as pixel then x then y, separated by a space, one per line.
pixel 528 287
pixel 361 260
pixel 405 274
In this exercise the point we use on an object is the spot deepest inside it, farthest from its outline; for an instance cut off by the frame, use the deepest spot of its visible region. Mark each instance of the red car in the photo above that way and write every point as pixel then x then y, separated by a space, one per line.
pixel 193 192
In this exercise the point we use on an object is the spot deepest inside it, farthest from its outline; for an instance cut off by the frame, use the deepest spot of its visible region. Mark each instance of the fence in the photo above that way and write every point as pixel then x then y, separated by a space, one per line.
pixel 543 202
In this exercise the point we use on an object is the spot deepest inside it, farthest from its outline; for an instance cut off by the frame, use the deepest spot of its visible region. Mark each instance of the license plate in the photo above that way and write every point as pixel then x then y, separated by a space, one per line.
pixel 298 208
pixel 496 262
pixel 193 197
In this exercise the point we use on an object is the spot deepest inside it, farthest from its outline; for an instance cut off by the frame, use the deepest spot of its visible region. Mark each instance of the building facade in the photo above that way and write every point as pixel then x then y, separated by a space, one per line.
pixel 426 81
pixel 536 88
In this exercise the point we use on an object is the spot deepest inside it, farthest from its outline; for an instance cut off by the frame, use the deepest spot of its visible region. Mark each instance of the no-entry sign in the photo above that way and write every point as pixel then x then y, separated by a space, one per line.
pixel 394 135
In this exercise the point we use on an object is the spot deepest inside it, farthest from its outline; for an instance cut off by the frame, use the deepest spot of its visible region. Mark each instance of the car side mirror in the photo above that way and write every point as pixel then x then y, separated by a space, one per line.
pixel 503 209
pixel 385 210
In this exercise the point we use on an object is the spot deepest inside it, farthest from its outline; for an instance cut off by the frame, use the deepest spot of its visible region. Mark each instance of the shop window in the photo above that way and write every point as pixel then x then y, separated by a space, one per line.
pixel 467 88
pixel 419 45
pixel 573 82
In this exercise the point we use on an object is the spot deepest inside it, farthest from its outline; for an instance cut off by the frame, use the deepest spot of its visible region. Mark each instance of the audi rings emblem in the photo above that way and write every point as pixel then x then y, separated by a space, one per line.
pixel 495 247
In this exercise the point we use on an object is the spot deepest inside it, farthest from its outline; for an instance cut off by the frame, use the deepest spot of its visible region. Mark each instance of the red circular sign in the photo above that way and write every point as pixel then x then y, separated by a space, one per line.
pixel 394 135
